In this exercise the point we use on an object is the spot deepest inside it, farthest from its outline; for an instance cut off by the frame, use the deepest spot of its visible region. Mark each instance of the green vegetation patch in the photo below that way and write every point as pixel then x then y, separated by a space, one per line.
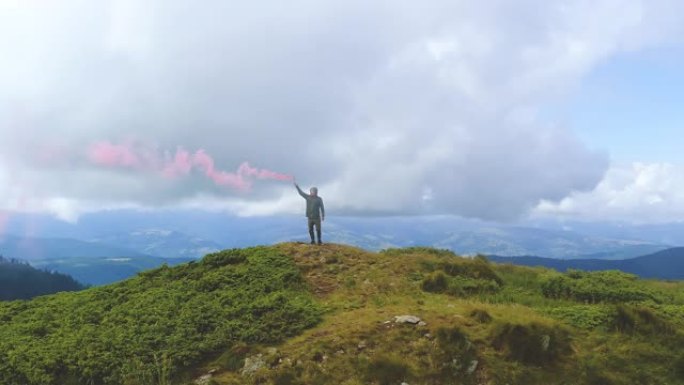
pixel 418 250
pixel 457 355
pixel 582 316
pixel 532 343
pixel 144 330
pixel 386 370
pixel 599 286
pixel 639 319
pixel 461 277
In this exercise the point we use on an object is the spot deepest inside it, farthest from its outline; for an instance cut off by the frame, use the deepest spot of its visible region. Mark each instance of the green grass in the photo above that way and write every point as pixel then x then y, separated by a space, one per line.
pixel 147 329
pixel 324 315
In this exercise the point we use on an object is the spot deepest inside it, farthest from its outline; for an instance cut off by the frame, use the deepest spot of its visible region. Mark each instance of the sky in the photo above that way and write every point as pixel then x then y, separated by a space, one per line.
pixel 495 110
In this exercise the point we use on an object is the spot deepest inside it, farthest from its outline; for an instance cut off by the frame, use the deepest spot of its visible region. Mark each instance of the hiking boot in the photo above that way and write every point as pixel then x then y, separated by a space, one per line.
pixel 320 243
pixel 313 243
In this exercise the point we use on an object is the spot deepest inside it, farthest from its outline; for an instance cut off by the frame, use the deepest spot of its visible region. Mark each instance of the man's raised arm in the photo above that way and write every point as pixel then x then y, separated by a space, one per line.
pixel 302 193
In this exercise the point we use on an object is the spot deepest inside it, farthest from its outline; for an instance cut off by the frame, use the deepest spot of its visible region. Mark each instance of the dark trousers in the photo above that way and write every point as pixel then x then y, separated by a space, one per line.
pixel 315 222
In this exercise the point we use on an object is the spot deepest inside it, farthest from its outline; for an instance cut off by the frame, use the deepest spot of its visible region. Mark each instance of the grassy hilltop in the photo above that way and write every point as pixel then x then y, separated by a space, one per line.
pixel 300 314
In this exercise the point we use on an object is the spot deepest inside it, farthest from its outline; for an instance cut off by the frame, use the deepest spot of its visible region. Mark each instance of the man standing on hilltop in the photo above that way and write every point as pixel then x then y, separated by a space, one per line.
pixel 315 212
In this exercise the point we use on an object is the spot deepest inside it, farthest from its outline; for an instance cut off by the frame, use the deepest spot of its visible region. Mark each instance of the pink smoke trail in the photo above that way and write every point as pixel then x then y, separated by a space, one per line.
pixel 180 164
pixel 221 178
pixel 247 170
pixel 108 154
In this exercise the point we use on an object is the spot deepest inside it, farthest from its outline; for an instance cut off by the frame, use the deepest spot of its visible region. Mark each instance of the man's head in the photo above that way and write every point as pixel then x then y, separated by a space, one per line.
pixel 314 191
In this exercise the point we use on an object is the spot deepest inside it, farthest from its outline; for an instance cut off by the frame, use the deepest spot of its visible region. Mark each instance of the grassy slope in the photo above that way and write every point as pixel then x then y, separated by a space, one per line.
pixel 486 324
pixel 362 291
pixel 147 329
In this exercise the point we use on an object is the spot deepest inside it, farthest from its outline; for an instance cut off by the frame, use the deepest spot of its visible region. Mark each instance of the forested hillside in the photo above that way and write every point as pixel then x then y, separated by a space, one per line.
pixel 19 280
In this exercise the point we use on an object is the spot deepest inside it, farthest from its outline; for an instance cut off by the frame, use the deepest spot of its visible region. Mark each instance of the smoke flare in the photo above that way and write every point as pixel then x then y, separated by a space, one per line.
pixel 181 163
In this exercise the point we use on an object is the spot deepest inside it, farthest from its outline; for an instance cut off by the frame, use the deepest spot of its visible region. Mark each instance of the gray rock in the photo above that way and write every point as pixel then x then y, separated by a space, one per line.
pixel 252 364
pixel 546 342
pixel 406 319
pixel 472 367
pixel 203 380
pixel 271 351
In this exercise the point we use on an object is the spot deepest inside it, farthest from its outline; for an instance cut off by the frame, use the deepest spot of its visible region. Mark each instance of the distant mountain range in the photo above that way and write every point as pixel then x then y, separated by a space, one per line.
pixel 96 262
pixel 665 264
pixel 107 246
pixel 100 271
pixel 191 233
pixel 34 248
pixel 163 243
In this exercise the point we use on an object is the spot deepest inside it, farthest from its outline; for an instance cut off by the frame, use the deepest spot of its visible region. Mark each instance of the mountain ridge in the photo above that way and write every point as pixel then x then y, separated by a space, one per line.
pixel 665 264
pixel 292 313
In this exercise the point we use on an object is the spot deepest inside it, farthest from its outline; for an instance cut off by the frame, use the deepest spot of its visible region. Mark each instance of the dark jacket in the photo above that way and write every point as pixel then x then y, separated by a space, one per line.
pixel 314 205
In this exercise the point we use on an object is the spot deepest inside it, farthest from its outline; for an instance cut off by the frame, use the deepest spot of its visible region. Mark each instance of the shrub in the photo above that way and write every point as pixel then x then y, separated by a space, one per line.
pixel 481 316
pixel 387 371
pixel 532 343
pixel 598 286
pixel 453 340
pixel 468 286
pixel 461 276
pixel 225 257
pixel 593 372
pixel 435 282
pixel 456 354
pixel 630 319
pixel 582 316
pixel 285 377
pixel 678 367
pixel 234 358
pixel 418 250
pixel 471 268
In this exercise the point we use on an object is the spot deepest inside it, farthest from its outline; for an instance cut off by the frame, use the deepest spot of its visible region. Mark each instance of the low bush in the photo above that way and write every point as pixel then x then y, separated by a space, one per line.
pixel 385 370
pixel 631 319
pixel 464 286
pixel 532 343
pixel 436 282
pixel 461 277
pixel 582 316
pixel 598 286
pixel 418 250
pixel 678 367
pixel 456 354
pixel 476 268
pixel 481 316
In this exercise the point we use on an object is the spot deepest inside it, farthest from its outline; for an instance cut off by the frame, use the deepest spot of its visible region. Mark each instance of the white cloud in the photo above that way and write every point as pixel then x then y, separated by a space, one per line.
pixel 641 192
pixel 376 103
